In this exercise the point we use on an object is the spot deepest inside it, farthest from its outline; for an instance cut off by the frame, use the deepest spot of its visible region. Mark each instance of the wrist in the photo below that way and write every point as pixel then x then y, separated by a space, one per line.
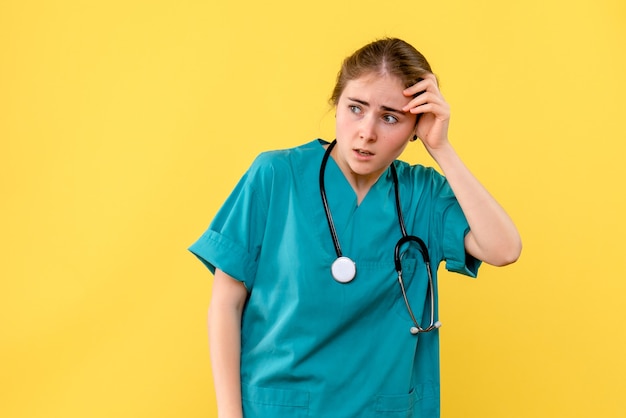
pixel 442 153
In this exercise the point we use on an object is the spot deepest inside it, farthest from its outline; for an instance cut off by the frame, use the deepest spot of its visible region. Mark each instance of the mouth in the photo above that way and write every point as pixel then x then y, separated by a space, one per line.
pixel 363 152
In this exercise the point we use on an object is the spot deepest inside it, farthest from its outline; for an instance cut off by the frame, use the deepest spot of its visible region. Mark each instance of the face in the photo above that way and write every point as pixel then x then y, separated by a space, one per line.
pixel 372 130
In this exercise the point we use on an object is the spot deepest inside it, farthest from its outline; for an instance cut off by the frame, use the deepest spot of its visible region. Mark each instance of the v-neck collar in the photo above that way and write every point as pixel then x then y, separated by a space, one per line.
pixel 345 184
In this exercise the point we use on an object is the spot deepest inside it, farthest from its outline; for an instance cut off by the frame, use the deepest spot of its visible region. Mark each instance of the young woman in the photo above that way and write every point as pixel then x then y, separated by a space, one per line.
pixel 324 303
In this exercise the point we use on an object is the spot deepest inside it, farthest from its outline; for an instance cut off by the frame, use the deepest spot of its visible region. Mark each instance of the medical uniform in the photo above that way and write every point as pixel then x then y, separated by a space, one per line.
pixel 313 347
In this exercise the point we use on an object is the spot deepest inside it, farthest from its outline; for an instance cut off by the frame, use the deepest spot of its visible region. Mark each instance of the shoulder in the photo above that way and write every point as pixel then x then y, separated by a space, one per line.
pixel 290 154
pixel 422 182
pixel 417 173
pixel 284 164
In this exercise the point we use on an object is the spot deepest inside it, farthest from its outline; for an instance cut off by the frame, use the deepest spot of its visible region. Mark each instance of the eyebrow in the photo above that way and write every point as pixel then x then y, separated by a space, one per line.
pixel 385 108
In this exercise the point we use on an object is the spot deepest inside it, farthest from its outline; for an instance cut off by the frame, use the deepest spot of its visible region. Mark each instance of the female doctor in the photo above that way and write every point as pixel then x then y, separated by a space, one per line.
pixel 324 303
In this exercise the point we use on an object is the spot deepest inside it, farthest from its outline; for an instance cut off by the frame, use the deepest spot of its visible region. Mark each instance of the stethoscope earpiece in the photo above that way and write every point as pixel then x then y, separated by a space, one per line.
pixel 416 330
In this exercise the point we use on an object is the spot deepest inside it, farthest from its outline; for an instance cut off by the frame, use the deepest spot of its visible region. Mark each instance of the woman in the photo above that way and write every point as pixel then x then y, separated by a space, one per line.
pixel 307 317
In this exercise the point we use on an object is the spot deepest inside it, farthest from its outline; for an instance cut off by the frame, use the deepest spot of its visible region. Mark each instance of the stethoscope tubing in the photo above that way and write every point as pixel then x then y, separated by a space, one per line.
pixel 329 217
pixel 406 238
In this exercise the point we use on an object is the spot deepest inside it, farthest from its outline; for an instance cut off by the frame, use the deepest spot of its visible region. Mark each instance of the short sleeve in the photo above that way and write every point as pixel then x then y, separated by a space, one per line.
pixel 450 227
pixel 233 240
pixel 455 228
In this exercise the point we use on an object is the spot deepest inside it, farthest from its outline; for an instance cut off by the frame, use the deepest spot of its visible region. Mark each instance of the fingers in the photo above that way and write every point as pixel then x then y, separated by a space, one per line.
pixel 426 81
pixel 427 98
pixel 427 102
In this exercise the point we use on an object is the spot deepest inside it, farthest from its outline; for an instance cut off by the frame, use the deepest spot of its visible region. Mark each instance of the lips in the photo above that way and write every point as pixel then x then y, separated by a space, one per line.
pixel 363 152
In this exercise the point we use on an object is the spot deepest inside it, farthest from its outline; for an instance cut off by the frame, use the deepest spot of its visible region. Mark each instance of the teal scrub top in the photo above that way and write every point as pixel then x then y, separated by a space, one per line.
pixel 313 347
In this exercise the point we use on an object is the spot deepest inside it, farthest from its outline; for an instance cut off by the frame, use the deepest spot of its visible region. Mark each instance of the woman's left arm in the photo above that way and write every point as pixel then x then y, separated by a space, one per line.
pixel 493 238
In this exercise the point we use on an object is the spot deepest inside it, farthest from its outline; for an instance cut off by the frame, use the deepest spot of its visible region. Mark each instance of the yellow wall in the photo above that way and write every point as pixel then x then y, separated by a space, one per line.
pixel 124 124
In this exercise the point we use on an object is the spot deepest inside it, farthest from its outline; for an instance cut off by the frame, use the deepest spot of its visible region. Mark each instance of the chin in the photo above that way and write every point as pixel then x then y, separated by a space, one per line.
pixel 365 170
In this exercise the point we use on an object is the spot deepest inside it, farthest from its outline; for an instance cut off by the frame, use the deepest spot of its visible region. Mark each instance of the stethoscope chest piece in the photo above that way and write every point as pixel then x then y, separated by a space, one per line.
pixel 343 269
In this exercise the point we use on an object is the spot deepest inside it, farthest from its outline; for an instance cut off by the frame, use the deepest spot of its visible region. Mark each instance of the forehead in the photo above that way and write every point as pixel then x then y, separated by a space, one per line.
pixel 375 88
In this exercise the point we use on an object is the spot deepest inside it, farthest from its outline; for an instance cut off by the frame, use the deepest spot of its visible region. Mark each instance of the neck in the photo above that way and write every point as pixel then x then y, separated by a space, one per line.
pixel 361 184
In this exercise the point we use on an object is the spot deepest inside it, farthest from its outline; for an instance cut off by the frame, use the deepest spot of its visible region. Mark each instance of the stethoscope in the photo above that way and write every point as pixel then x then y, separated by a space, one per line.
pixel 343 269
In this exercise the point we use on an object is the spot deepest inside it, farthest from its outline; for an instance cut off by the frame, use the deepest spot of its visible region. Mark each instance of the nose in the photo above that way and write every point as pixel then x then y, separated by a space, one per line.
pixel 367 128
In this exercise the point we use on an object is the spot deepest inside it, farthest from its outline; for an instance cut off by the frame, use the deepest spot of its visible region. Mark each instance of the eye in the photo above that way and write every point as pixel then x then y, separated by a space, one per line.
pixel 355 109
pixel 390 119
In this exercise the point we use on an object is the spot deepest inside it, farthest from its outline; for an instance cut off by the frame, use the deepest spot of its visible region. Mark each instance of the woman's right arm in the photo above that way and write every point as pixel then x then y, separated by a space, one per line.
pixel 227 302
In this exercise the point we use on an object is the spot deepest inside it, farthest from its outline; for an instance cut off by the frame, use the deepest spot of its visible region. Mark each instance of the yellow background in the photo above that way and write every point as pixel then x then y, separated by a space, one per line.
pixel 124 124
